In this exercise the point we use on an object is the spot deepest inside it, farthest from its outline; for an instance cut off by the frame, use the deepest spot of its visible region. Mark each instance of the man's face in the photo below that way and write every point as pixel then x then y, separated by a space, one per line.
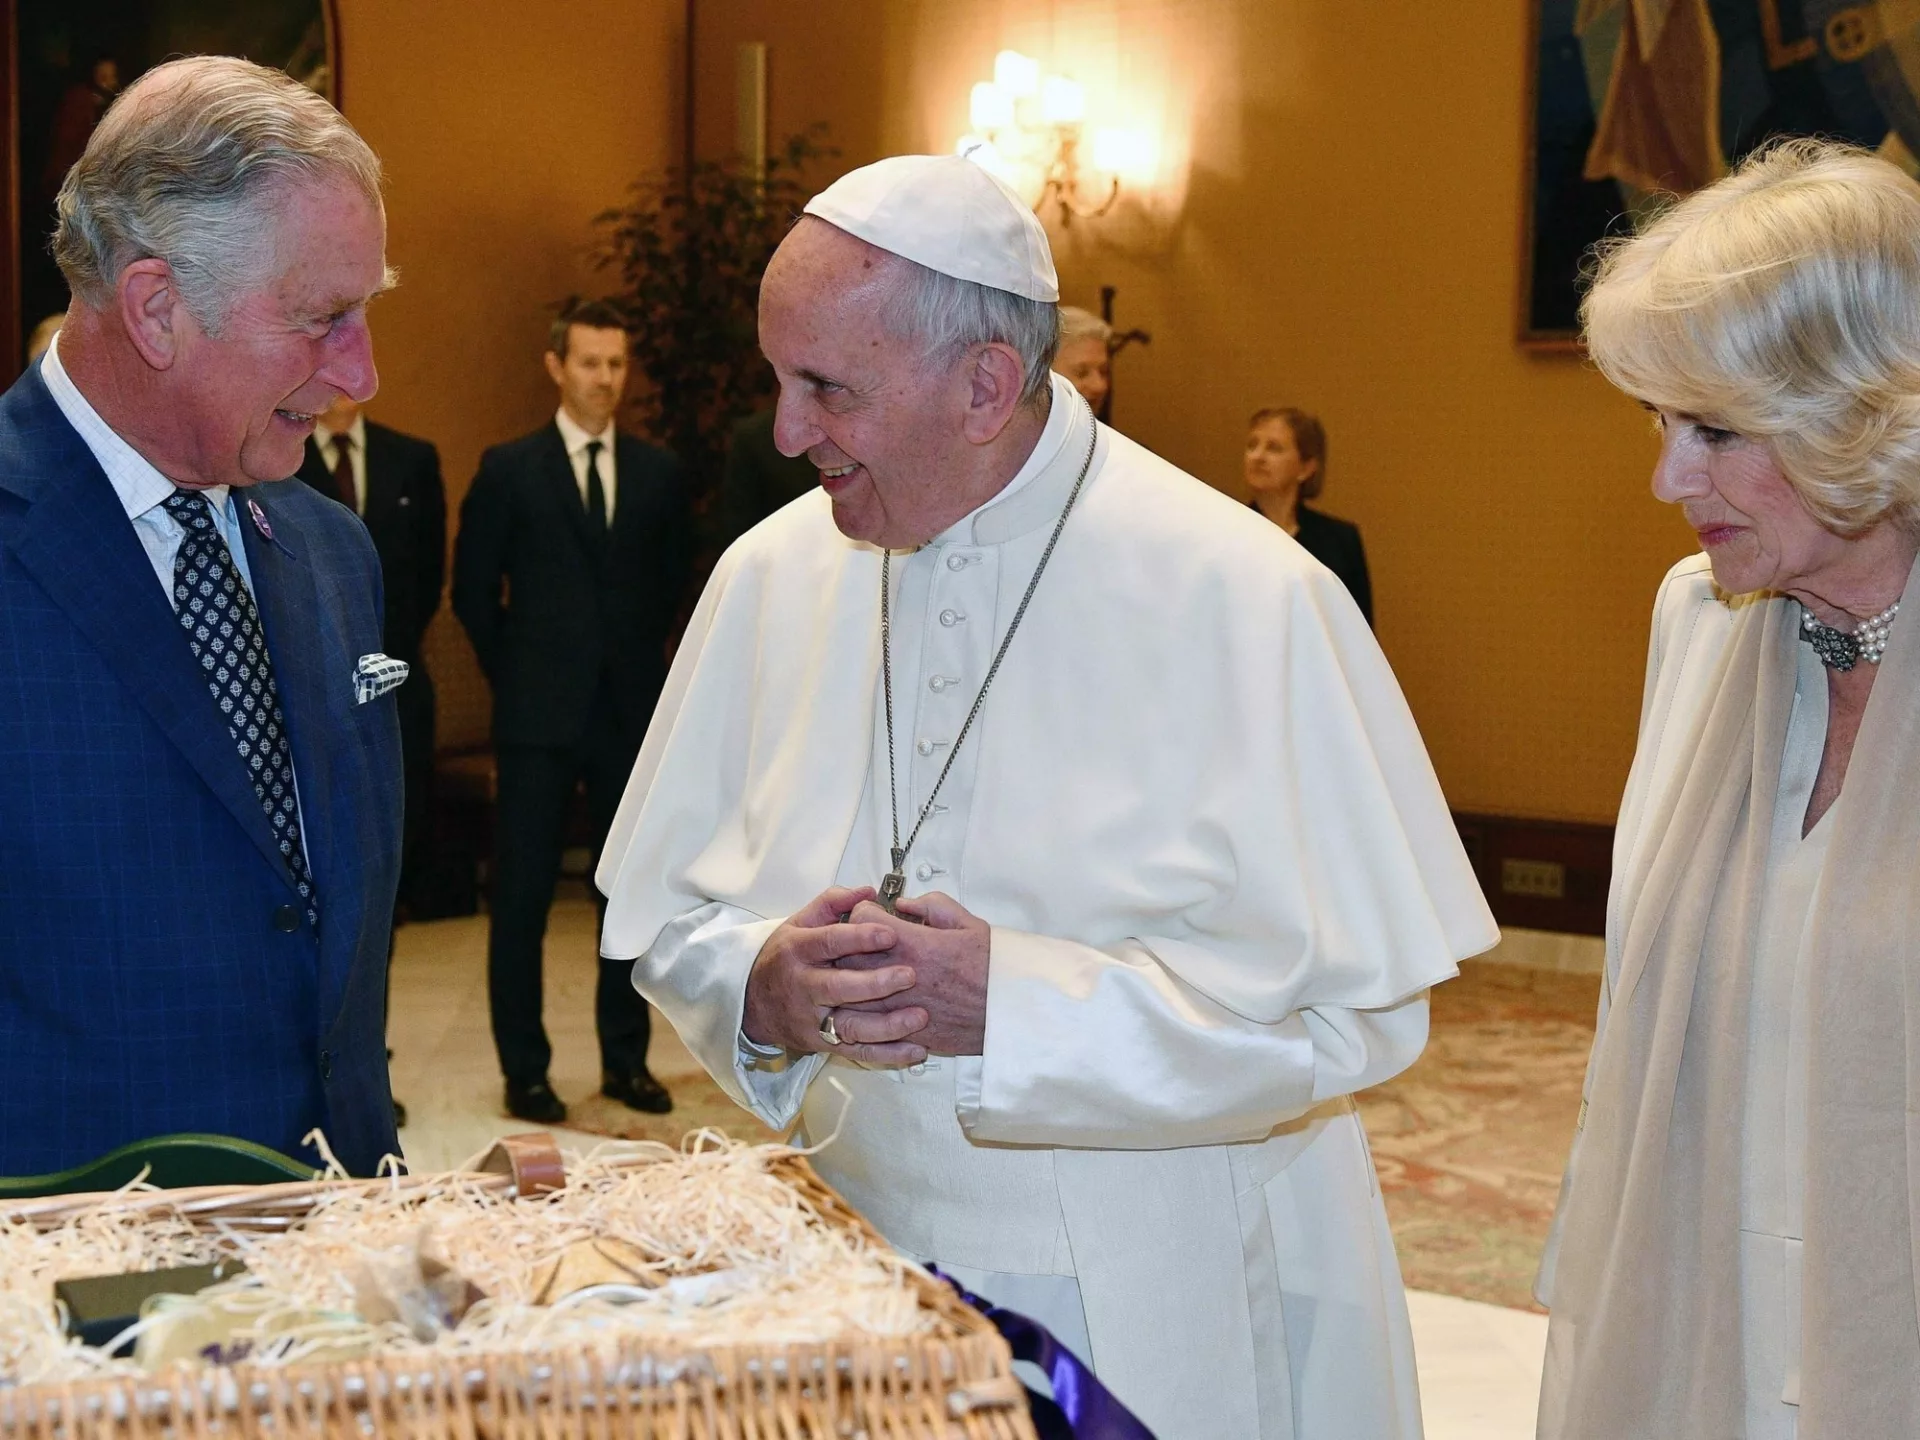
pixel 288 349
pixel 1084 363
pixel 593 376
pixel 340 415
pixel 878 419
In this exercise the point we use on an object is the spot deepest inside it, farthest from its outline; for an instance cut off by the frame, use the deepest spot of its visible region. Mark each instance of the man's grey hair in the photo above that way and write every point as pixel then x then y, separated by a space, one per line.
pixel 1078 324
pixel 185 167
pixel 949 315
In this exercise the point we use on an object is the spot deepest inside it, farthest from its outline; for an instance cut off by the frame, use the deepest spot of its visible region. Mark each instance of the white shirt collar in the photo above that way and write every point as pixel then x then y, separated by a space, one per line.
pixel 1027 500
pixel 356 432
pixel 577 439
pixel 134 479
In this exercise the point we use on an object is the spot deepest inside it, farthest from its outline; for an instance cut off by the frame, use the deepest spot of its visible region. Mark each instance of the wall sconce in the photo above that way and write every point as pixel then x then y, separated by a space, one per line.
pixel 1030 129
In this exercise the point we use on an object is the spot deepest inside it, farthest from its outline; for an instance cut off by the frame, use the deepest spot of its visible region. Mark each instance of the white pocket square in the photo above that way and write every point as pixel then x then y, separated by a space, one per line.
pixel 375 675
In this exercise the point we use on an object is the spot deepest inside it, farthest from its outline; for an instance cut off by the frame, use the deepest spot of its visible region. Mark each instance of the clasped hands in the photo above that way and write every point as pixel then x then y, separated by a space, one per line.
pixel 899 987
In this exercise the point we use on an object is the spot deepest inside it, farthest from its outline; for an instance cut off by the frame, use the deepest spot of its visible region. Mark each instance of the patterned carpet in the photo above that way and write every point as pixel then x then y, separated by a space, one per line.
pixel 1469 1143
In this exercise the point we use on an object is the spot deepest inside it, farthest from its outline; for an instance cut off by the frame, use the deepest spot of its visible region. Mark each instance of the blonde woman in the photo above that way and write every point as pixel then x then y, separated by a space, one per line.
pixel 1735 1250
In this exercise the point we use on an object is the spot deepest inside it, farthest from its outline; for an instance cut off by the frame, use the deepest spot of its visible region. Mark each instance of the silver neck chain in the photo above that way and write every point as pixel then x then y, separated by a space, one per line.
pixel 895 882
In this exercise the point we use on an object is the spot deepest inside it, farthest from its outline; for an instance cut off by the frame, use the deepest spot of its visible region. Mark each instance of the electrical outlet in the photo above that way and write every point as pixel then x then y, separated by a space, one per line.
pixel 1542 879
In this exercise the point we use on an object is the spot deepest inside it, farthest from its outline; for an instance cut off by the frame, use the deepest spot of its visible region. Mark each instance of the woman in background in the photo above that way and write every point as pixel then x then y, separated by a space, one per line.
pixel 1286 463
pixel 1085 356
pixel 1735 1250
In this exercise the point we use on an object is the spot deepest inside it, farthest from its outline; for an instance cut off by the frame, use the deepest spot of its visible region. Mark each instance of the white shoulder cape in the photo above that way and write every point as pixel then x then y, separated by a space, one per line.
pixel 1195 743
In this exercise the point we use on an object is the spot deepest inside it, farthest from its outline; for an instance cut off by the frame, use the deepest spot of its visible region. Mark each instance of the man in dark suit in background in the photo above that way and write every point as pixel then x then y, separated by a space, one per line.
pixel 199 747
pixel 757 481
pixel 392 482
pixel 572 552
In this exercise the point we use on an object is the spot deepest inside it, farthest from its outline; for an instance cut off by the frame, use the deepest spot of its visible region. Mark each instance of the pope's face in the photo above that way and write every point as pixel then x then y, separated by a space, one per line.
pixel 248 396
pixel 1756 531
pixel 878 419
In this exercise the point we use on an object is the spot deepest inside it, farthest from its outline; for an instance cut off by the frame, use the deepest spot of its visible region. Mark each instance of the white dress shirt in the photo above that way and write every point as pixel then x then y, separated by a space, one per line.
pixel 329 443
pixel 143 493
pixel 576 441
pixel 143 490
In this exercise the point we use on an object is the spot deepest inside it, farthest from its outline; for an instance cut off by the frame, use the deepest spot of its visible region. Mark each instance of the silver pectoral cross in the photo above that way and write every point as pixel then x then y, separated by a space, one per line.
pixel 895 882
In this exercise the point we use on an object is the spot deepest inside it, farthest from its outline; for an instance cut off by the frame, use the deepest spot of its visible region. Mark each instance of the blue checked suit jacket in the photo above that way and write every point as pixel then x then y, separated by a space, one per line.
pixel 145 987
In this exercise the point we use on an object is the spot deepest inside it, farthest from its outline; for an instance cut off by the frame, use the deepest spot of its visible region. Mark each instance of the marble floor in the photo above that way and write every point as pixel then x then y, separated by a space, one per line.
pixel 1479 1364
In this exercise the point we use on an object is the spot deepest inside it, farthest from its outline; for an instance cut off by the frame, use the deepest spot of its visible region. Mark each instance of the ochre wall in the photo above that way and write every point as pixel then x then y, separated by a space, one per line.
pixel 504 128
pixel 1340 230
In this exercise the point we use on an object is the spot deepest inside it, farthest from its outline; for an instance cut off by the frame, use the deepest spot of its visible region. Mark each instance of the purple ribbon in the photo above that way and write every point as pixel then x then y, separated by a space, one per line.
pixel 1082 1408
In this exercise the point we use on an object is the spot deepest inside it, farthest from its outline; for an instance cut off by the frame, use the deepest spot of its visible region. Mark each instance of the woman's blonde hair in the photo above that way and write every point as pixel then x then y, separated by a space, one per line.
pixel 1783 303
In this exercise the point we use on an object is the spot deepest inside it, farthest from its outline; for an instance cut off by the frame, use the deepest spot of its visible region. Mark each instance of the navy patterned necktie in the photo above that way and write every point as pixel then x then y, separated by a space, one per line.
pixel 216 610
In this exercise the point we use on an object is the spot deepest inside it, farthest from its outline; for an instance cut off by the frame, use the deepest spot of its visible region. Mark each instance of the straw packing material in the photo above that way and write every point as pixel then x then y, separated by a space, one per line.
pixel 702 1246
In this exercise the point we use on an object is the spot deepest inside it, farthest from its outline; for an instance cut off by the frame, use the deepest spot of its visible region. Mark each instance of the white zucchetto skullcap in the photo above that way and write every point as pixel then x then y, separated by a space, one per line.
pixel 948 214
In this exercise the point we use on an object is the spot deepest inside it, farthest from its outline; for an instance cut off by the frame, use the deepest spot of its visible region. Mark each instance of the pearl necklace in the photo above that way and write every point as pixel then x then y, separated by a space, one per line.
pixel 1839 650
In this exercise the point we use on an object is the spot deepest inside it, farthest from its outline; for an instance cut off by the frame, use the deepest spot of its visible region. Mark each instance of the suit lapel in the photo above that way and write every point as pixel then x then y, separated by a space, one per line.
pixel 626 487
pixel 78 544
pixel 306 656
pixel 313 469
pixel 383 493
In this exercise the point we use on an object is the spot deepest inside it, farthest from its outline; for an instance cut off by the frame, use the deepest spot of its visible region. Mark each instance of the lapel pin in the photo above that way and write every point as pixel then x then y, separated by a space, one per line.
pixel 259 518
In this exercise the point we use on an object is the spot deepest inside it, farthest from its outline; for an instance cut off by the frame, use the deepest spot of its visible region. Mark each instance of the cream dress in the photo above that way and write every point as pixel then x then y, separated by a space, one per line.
pixel 1774 1128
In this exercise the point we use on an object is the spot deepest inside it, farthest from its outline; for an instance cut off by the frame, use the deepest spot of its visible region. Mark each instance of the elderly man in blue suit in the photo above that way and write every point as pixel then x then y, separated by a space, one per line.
pixel 200 793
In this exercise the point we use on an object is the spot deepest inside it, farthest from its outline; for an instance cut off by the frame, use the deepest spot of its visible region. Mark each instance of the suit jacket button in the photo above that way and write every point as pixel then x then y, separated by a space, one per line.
pixel 286 919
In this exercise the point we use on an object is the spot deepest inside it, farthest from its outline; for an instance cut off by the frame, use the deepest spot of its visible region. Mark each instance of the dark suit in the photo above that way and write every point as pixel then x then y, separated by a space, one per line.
pixel 406 514
pixel 155 975
pixel 572 633
pixel 1336 544
pixel 758 479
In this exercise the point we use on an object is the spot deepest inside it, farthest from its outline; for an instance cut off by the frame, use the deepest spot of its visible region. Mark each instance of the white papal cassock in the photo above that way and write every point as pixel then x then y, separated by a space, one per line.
pixel 1220 877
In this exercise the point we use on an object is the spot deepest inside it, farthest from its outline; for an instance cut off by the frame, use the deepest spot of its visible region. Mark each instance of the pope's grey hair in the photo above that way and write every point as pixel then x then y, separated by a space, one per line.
pixel 951 315
pixel 186 167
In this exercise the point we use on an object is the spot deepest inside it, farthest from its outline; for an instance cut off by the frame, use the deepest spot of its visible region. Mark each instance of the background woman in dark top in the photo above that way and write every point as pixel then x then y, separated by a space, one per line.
pixel 1286 464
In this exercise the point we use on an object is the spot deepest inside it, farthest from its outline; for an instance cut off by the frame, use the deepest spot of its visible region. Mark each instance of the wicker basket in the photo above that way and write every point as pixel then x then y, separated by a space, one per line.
pixel 956 1383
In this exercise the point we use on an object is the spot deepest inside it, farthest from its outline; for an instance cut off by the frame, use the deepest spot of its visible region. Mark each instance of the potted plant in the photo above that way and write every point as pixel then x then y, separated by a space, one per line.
pixel 689 251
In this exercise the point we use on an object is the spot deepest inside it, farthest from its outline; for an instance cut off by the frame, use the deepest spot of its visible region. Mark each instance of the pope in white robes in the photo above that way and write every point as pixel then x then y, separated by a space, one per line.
pixel 1181 892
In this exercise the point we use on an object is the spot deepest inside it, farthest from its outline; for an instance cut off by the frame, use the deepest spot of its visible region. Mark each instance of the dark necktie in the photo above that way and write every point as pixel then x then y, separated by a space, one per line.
pixel 343 472
pixel 596 496
pixel 216 610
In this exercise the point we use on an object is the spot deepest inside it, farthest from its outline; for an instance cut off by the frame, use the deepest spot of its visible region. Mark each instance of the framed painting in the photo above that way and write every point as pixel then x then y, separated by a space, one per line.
pixel 1635 101
pixel 72 57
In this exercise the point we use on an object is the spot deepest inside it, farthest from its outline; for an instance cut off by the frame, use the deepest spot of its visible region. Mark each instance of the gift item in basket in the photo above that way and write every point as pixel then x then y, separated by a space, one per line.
pixel 99 1308
pixel 642 1292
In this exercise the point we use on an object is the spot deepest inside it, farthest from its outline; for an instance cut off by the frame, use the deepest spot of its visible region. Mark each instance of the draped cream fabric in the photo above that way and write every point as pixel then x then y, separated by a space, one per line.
pixel 1642 1273
pixel 1220 874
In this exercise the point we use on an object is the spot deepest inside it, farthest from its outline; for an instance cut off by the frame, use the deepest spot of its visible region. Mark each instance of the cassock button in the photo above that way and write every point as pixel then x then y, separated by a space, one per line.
pixel 925 872
pixel 951 618
pixel 925 747
pixel 957 562
pixel 286 919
